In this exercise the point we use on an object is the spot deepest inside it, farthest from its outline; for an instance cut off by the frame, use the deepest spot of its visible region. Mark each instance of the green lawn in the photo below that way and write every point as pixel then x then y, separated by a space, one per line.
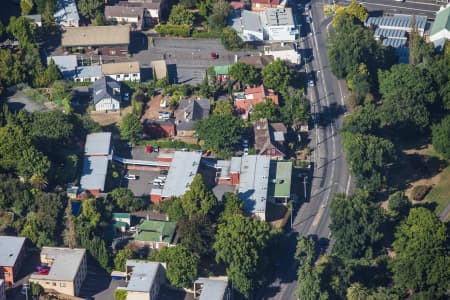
pixel 440 193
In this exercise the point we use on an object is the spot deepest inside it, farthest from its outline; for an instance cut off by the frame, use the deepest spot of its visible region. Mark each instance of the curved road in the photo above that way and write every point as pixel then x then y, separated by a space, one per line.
pixel 330 174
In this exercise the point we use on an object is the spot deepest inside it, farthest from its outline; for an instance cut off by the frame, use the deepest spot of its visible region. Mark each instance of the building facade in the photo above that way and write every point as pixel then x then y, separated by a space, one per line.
pixel 123 71
pixel 12 254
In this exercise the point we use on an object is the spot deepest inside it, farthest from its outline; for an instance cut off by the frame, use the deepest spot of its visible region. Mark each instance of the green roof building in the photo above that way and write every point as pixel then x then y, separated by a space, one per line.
pixel 222 70
pixel 156 234
pixel 121 221
pixel 440 31
pixel 280 174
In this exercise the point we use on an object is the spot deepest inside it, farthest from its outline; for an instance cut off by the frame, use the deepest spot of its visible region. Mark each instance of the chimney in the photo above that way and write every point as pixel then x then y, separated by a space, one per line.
pixel 147 217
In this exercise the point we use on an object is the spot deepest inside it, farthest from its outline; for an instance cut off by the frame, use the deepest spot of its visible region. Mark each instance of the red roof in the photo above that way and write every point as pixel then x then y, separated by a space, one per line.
pixel 254 96
pixel 237 4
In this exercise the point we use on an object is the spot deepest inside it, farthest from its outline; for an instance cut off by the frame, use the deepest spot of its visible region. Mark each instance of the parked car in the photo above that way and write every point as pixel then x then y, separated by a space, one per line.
pixel 311 82
pixel 164 115
pixel 130 177
pixel 214 55
pixel 163 172
pixel 308 20
pixel 126 97
pixel 245 151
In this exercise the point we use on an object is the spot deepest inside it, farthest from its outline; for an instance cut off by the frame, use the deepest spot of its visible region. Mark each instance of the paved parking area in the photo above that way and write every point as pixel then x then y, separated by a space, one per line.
pixel 98 283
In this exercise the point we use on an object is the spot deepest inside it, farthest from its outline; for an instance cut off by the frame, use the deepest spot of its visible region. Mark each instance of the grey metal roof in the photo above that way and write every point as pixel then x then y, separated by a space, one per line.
pixel 104 88
pixel 397 21
pixel 278 17
pixel 10 247
pixel 98 143
pixel 88 72
pixel 213 289
pixel 390 33
pixel 224 166
pixel 235 164
pixel 66 263
pixel 64 62
pixel 395 43
pixel 142 275
pixel 182 170
pixel 66 10
pixel 94 173
pixel 251 21
pixel 191 110
pixel 253 183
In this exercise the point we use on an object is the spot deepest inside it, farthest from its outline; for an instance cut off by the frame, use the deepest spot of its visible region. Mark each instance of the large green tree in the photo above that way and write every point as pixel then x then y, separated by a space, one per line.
pixel 121 257
pixel 220 131
pixel 131 128
pixel 244 73
pixel 88 8
pixel 198 199
pixel 276 75
pixel 370 158
pixel 363 120
pixel 182 265
pixel 241 244
pixel 407 92
pixel 219 14
pixel 356 224
pixel 125 200
pixel 197 234
pixel 265 110
pixel 230 39
pixel 441 137
pixel 421 262
pixel 180 16
pixel 295 107
pixel 12 70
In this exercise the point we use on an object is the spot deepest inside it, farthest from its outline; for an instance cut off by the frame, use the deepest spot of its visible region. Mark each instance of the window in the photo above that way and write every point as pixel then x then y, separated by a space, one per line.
pixel 62 284
pixel 54 283
pixel 112 52
pixel 126 76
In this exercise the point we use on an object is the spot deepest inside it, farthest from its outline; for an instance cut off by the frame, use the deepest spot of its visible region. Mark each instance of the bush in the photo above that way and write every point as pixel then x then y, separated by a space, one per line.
pixel 419 192
pixel 165 143
pixel 120 294
pixel 207 34
pixel 176 30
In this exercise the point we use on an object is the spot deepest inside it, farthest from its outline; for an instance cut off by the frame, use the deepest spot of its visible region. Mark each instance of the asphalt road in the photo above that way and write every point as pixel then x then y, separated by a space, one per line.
pixel 330 174
pixel 417 7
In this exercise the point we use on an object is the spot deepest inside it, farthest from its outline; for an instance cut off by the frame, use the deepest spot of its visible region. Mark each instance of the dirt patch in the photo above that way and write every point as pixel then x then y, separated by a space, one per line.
pixel 153 108
pixel 109 118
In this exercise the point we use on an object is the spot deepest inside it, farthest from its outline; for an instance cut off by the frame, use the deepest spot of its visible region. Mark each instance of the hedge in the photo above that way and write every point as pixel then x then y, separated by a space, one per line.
pixel 176 30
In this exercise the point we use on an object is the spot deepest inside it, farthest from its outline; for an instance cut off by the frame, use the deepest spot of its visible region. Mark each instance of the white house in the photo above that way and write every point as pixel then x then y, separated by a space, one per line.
pixel 283 51
pixel 122 71
pixel 125 14
pixel 248 25
pixel 67 13
pixel 105 94
pixel 87 74
pixel 279 24
pixel 440 32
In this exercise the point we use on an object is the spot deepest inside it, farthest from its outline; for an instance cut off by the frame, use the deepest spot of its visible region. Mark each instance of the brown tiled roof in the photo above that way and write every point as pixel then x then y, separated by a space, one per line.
pixel 95 36
pixel 124 11
pixel 258 62
pixel 263 131
pixel 121 68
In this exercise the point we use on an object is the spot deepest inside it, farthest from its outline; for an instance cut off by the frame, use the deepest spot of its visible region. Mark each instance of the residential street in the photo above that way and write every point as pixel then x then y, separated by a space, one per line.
pixel 330 174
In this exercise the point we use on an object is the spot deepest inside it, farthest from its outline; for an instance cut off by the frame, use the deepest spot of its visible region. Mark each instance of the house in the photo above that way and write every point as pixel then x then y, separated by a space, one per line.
pixel 87 73
pixel 2 290
pixel 66 14
pixel 121 221
pixel 68 269
pixel 98 39
pixel 153 9
pixel 269 138
pixel 237 5
pixel 105 94
pixel 222 73
pixel 160 128
pixel 188 112
pixel 97 152
pixel 126 14
pixel 159 68
pixel 280 174
pixel 12 254
pixel 245 101
pixel 279 24
pixel 183 168
pixel 123 71
pixel 144 279
pixel 248 25
pixel 212 288
pixel 440 31
pixel 36 19
pixel 260 5
pixel 257 61
pixel 253 184
pixel 155 234
pixel 283 51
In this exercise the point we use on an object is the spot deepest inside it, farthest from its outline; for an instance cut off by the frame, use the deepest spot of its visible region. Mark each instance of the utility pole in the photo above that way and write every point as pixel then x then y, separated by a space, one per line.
pixel 304 186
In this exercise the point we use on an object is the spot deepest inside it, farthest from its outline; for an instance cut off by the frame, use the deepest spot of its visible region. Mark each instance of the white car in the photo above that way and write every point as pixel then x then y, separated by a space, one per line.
pixel 245 151
pixel 311 82
pixel 130 176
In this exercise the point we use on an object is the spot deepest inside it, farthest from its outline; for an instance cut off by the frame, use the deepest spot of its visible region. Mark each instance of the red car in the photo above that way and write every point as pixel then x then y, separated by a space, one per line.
pixel 214 55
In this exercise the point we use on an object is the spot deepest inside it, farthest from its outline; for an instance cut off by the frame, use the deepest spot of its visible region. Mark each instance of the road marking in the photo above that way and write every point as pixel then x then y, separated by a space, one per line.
pixel 317 217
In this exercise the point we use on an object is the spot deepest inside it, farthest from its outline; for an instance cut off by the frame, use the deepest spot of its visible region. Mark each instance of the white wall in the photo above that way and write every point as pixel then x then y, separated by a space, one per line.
pixel 280 33
pixel 126 77
pixel 287 55
pixel 441 34
pixel 107 104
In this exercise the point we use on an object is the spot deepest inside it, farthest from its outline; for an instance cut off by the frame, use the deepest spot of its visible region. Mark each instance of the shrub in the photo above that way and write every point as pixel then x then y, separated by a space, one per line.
pixel 176 30
pixel 419 192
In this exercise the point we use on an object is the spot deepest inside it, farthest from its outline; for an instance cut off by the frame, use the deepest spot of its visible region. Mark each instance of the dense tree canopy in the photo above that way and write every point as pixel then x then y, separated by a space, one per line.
pixel 407 91
pixel 363 120
pixel 355 224
pixel 265 110
pixel 441 137
pixel 180 16
pixel 197 234
pixel 276 75
pixel 220 131
pixel 244 73
pixel 241 244
pixel 131 128
pixel 369 157
pixel 421 262
pixel 198 199
pixel 230 39
pixel 125 200
pixel 88 8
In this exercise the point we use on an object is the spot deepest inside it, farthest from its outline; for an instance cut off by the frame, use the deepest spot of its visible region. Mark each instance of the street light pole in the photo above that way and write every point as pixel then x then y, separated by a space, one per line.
pixel 304 187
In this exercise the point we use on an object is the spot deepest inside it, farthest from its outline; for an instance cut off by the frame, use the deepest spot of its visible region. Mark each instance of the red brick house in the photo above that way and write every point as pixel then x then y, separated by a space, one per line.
pixel 270 138
pixel 245 101
pixel 12 254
